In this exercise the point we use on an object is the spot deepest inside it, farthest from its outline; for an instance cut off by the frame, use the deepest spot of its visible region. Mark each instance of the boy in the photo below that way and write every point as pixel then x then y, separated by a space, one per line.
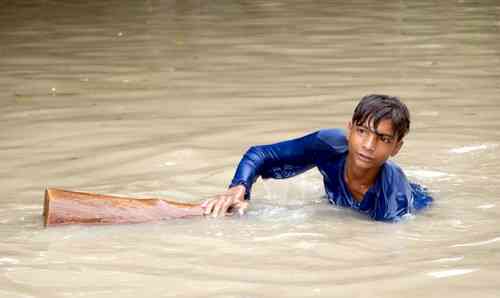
pixel 355 167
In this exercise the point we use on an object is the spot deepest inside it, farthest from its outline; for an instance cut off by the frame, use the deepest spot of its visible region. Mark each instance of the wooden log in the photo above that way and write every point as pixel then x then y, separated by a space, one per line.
pixel 63 207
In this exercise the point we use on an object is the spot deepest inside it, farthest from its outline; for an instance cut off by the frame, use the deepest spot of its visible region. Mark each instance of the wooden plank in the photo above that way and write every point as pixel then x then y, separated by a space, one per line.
pixel 64 207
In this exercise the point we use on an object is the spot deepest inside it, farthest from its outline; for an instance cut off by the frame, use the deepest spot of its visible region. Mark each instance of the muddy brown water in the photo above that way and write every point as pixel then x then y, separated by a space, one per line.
pixel 161 98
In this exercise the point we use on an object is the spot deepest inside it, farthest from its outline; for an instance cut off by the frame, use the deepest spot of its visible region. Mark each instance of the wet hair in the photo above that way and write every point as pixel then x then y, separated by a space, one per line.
pixel 378 107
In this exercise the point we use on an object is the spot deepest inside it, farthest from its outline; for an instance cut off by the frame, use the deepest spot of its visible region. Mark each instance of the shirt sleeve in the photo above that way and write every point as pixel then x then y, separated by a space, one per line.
pixel 288 158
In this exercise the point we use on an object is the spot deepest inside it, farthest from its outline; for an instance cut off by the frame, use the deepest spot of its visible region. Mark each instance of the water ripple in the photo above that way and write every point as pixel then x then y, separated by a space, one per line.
pixel 289 236
pixel 452 272
pixel 477 243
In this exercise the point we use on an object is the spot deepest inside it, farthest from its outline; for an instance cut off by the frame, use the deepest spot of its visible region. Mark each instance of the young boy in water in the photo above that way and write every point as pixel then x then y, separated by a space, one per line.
pixel 355 166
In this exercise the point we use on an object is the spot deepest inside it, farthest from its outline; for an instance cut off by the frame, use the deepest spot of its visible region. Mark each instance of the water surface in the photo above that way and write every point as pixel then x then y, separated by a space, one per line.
pixel 161 98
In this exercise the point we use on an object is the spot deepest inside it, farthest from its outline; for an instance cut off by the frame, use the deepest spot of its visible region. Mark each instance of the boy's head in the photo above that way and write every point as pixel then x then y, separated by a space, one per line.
pixel 376 131
pixel 374 108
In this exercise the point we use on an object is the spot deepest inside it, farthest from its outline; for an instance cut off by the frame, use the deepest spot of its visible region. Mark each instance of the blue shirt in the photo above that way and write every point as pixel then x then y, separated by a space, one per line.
pixel 391 196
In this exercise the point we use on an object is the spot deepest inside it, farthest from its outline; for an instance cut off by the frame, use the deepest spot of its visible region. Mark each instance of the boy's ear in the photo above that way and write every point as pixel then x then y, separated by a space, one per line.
pixel 397 148
pixel 349 128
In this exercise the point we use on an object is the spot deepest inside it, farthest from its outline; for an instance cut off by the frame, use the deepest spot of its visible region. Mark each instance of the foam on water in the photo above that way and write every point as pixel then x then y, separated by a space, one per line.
pixel 479 243
pixel 472 148
pixel 486 206
pixel 452 272
pixel 296 236
pixel 426 174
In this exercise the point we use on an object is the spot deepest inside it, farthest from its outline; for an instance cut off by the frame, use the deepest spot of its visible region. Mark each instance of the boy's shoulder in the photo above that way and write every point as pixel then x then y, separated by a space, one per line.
pixel 393 167
pixel 393 180
pixel 334 138
pixel 393 171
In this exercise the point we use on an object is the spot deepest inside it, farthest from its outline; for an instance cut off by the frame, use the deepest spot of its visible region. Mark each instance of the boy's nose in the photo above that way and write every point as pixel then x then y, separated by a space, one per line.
pixel 370 142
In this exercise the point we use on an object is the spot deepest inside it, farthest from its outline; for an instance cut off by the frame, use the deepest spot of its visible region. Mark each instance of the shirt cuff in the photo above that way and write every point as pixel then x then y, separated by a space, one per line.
pixel 245 184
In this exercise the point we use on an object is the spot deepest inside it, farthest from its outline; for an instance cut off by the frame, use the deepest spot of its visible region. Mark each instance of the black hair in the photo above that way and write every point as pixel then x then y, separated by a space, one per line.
pixel 377 107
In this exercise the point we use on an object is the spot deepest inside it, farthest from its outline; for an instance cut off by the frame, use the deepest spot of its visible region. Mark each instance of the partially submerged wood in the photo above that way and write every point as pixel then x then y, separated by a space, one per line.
pixel 63 207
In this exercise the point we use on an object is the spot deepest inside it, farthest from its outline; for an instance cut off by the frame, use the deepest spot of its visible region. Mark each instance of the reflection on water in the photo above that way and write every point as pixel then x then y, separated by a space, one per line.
pixel 161 98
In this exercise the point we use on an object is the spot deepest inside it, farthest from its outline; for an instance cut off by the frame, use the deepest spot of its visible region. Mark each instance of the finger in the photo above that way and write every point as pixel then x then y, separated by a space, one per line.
pixel 242 207
pixel 204 207
pixel 209 206
pixel 218 206
pixel 225 207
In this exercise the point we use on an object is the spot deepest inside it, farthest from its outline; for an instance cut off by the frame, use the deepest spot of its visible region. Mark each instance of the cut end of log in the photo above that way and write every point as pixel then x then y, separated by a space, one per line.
pixel 46 206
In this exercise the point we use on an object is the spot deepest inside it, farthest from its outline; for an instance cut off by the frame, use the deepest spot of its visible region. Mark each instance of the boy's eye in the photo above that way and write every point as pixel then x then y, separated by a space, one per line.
pixel 386 140
pixel 360 130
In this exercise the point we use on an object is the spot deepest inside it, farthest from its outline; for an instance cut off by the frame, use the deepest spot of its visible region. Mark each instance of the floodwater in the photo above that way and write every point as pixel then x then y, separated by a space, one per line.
pixel 161 98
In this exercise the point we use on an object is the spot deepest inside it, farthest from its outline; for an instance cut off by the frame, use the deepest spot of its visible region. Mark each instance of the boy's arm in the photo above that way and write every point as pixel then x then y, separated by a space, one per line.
pixel 279 161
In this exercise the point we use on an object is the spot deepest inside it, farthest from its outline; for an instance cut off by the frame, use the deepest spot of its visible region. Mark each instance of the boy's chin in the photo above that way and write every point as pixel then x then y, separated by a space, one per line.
pixel 361 163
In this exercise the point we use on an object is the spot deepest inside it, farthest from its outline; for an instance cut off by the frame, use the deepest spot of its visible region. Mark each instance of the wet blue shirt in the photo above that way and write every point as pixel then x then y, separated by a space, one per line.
pixel 388 199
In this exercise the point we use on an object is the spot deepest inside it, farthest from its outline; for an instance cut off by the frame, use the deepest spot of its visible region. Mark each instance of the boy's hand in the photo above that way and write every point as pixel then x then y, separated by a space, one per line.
pixel 227 202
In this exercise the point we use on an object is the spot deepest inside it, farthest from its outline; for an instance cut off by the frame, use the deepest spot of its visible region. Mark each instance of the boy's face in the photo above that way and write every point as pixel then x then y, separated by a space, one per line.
pixel 370 147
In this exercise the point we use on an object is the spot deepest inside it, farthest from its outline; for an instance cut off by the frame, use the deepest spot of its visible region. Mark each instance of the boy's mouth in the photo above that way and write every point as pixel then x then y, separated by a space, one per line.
pixel 365 158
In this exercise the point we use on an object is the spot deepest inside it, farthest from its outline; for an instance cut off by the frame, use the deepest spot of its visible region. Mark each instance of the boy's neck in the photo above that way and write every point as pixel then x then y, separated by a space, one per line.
pixel 359 180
